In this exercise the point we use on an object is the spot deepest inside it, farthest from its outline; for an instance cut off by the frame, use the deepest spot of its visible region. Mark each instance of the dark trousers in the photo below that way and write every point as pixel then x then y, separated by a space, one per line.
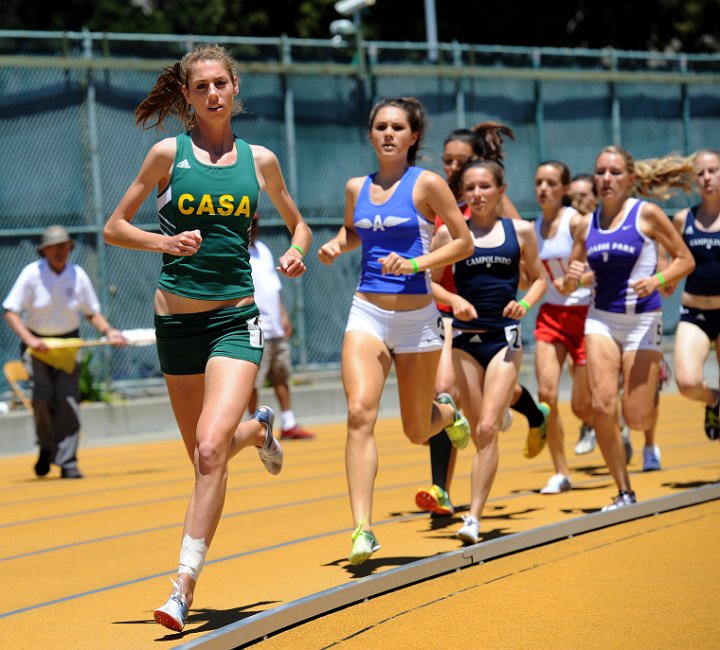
pixel 56 402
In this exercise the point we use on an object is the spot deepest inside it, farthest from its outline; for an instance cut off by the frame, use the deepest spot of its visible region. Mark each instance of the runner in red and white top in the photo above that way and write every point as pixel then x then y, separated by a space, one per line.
pixel 559 328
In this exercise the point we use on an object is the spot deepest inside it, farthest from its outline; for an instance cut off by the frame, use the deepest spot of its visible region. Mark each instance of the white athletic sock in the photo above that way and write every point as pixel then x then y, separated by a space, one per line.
pixel 287 419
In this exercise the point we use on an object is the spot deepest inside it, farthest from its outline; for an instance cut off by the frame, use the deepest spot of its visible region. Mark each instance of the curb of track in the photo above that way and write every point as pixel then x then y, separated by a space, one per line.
pixel 259 626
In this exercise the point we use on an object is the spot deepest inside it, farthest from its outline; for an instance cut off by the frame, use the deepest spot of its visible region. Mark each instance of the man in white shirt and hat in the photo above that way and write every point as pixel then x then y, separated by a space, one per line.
pixel 49 299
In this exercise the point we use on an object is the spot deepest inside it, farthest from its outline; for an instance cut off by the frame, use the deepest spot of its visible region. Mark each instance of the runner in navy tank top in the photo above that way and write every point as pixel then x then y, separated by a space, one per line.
pixel 393 316
pixel 623 329
pixel 484 140
pixel 699 325
pixel 487 347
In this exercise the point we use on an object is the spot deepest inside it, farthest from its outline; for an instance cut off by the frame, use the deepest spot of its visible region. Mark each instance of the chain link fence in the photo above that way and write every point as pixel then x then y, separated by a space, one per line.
pixel 71 147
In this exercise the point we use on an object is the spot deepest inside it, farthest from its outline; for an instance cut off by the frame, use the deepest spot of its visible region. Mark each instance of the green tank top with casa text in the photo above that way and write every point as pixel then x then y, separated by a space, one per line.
pixel 219 202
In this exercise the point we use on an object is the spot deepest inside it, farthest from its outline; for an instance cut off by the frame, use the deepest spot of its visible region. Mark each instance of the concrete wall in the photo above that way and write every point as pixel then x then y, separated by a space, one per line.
pixel 317 399
pixel 152 417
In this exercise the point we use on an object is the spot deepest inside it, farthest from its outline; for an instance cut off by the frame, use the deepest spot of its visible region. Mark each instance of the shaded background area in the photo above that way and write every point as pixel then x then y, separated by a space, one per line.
pixel 71 145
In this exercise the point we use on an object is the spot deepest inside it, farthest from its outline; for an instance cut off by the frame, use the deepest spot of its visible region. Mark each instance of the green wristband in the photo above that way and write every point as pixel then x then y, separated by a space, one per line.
pixel 661 278
pixel 524 304
pixel 414 265
pixel 296 247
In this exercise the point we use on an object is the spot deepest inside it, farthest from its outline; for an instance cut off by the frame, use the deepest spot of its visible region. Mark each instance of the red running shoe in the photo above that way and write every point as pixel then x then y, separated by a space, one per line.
pixel 296 433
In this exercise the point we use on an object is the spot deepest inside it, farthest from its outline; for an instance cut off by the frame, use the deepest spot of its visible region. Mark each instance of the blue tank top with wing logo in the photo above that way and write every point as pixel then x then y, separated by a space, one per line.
pixel 393 226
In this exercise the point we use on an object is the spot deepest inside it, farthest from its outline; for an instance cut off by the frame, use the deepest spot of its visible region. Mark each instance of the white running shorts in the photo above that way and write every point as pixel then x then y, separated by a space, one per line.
pixel 416 330
pixel 629 331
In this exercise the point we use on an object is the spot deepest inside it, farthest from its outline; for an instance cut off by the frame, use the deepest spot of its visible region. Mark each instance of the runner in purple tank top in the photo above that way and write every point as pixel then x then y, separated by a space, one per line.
pixel 623 329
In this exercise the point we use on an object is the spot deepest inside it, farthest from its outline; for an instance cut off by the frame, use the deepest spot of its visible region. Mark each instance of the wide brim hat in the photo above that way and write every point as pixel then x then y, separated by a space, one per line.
pixel 54 235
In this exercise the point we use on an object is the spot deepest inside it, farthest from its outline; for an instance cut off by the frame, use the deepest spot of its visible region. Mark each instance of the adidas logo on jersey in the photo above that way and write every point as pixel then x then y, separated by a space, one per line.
pixel 689 230
pixel 183 164
pixel 476 339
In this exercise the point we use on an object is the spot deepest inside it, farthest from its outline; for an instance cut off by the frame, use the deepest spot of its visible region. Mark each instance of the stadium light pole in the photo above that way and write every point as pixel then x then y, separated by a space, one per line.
pixel 346 28
pixel 431 30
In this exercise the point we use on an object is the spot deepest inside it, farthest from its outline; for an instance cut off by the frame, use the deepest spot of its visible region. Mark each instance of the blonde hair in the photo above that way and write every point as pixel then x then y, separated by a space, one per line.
pixel 658 177
pixel 705 152
pixel 166 97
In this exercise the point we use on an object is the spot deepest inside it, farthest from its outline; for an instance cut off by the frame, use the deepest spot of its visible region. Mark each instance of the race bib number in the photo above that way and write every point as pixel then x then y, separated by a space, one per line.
pixel 440 328
pixel 255 332
pixel 513 336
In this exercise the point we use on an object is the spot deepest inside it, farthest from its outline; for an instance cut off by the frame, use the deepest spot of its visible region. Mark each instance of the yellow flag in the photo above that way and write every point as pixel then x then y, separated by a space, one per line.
pixel 62 353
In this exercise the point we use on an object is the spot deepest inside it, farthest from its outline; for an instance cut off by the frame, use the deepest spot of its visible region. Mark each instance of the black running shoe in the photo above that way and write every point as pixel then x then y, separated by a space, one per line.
pixel 712 421
pixel 42 467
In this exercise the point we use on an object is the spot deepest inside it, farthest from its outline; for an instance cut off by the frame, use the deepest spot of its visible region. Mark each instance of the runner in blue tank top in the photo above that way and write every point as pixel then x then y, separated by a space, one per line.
pixel 699 325
pixel 391 215
pixel 623 329
pixel 487 346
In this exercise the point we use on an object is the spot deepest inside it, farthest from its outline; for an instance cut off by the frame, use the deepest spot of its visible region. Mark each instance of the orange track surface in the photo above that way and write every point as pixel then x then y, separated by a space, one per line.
pixel 85 562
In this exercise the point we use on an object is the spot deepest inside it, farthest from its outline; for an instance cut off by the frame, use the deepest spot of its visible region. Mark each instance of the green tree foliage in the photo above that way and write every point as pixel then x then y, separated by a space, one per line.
pixel 686 25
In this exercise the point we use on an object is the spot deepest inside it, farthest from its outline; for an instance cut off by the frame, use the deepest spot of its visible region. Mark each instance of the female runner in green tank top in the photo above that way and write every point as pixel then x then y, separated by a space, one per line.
pixel 209 341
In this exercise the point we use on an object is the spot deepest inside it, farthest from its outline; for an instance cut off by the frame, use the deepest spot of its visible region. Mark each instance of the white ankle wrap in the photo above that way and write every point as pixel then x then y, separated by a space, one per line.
pixel 192 556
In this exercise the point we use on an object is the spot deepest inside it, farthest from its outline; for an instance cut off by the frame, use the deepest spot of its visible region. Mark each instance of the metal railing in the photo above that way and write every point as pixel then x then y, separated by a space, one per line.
pixel 71 147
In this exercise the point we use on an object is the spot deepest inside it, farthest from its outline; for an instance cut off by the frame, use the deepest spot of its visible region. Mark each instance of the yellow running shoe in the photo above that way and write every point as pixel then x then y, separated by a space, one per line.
pixel 434 500
pixel 459 430
pixel 537 436
pixel 364 544
pixel 712 421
